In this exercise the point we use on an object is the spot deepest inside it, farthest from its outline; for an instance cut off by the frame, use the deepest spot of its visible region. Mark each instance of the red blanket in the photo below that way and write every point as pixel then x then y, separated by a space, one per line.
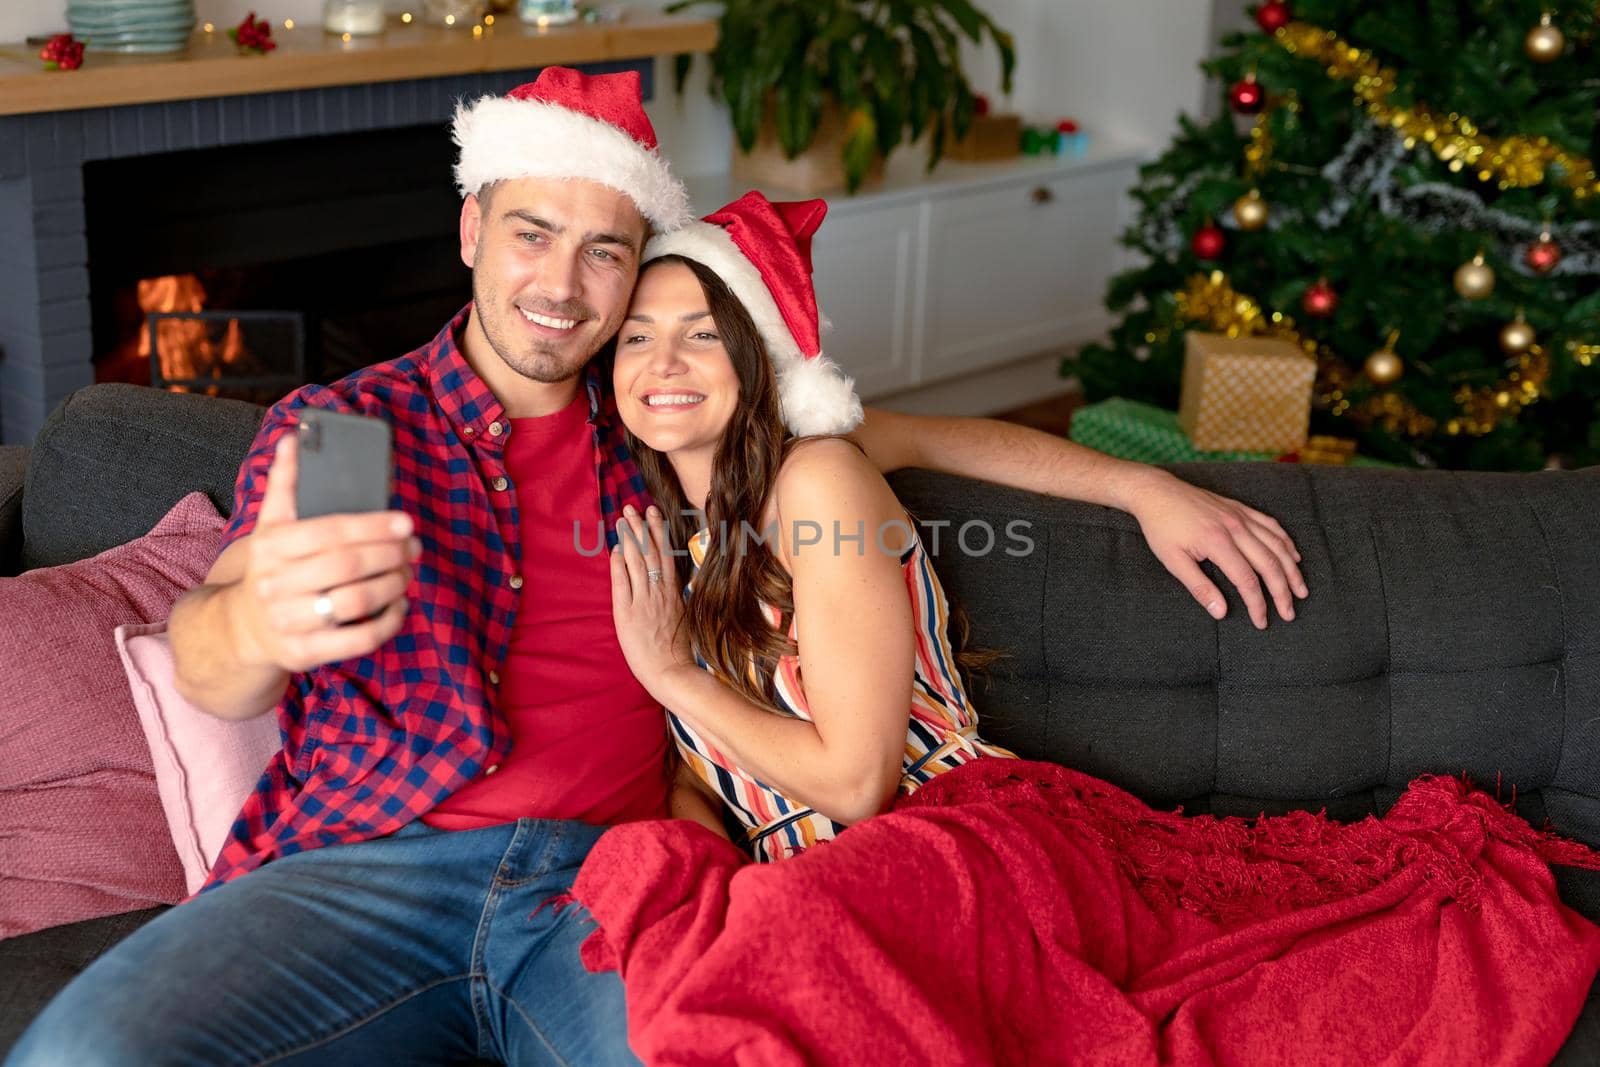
pixel 1019 913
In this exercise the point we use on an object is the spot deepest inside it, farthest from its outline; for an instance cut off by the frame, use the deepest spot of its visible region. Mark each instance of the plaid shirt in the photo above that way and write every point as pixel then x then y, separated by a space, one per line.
pixel 372 743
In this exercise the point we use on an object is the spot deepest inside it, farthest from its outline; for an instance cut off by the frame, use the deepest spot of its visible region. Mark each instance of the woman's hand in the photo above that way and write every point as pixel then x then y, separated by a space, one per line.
pixel 646 603
pixel 1185 524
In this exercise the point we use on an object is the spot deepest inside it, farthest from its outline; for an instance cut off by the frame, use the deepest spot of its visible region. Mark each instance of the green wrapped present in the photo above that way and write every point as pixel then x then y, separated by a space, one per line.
pixel 1128 429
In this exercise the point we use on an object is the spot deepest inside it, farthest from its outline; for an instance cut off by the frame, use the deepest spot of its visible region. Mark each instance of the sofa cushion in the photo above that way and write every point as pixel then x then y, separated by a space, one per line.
pixel 112 459
pixel 35 967
pixel 81 828
pixel 205 767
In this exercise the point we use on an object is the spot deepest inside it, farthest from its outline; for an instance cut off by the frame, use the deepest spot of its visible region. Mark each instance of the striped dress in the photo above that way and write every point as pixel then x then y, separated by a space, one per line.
pixel 943 730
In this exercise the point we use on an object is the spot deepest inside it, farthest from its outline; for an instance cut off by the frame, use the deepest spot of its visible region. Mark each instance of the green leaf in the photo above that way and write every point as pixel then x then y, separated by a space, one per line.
pixel 860 147
pixel 967 17
pixel 746 98
pixel 799 106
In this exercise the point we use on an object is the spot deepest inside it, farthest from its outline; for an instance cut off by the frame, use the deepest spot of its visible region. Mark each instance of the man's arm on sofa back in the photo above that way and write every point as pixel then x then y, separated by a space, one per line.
pixel 13 468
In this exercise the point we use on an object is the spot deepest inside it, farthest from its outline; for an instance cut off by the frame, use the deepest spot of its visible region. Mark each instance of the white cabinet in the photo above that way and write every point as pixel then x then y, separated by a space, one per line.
pixel 1018 269
pixel 865 269
pixel 930 277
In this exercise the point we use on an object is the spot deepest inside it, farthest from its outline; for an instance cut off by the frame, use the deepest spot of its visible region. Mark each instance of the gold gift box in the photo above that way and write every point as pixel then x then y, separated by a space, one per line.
pixel 989 137
pixel 1245 394
pixel 1330 450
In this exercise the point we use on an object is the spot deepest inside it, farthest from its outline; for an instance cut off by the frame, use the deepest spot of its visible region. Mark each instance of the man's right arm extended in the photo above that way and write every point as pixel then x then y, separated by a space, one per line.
pixel 255 621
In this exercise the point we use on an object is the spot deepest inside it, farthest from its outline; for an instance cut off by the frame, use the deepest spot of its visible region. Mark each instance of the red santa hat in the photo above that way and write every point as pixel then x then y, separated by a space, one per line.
pixel 567 124
pixel 762 252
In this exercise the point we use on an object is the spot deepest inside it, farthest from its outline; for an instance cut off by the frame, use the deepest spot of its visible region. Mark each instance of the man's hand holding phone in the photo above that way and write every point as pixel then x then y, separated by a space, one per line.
pixel 319 590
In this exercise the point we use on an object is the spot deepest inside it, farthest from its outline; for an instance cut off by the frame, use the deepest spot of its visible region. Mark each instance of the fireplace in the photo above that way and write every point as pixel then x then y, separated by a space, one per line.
pixel 277 237
pixel 267 266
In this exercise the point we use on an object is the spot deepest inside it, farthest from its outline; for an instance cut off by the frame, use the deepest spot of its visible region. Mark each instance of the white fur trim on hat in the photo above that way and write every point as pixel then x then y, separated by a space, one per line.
pixel 501 138
pixel 816 394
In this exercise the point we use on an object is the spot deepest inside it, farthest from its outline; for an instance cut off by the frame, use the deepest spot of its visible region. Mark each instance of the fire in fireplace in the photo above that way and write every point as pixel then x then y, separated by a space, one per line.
pixel 247 271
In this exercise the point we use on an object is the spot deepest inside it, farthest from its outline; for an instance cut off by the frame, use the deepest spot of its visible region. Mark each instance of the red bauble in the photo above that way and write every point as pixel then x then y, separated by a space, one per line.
pixel 980 105
pixel 1208 242
pixel 1543 255
pixel 1247 96
pixel 1320 299
pixel 1272 16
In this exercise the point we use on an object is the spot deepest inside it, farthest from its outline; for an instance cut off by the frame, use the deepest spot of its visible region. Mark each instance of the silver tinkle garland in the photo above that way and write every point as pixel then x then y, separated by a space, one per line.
pixel 1362 172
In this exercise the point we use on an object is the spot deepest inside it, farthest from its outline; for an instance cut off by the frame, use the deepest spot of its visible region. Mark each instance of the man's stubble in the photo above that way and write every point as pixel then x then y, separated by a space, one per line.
pixel 545 363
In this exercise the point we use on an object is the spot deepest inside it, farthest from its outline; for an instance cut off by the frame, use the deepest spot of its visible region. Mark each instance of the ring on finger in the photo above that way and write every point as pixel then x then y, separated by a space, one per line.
pixel 653 575
pixel 322 607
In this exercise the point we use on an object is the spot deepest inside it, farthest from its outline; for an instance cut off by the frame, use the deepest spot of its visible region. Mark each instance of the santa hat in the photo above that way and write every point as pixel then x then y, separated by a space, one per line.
pixel 567 124
pixel 762 252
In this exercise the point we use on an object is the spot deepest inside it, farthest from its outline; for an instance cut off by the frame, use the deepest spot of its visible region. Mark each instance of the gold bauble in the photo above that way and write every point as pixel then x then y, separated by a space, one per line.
pixel 1250 211
pixel 1517 337
pixel 1545 43
pixel 1475 278
pixel 1383 367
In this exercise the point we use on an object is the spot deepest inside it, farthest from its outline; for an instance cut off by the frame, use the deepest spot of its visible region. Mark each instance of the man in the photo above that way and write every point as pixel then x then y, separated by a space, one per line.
pixel 459 723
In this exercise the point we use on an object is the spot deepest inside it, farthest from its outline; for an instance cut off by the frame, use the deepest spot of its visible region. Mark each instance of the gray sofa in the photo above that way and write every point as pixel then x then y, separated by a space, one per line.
pixel 1453 625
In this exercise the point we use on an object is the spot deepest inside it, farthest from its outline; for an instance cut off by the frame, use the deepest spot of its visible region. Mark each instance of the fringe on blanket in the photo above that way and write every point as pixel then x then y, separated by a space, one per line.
pixel 1231 869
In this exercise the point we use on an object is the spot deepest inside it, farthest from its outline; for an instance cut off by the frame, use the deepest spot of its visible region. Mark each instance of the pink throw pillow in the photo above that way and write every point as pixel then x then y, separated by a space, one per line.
pixel 205 766
pixel 81 829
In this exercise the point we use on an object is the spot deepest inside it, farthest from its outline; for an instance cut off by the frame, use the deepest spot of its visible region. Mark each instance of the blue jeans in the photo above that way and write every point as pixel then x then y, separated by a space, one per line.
pixel 421 947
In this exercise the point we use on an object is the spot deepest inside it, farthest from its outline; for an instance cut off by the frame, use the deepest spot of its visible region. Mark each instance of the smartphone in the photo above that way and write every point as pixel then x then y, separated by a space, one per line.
pixel 345 463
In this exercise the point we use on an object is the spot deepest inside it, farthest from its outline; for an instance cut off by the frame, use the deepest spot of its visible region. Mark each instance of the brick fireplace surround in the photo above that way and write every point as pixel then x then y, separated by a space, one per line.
pixel 46 336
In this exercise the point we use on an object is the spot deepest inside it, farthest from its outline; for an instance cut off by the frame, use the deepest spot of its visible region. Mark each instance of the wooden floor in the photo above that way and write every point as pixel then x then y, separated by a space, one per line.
pixel 1052 416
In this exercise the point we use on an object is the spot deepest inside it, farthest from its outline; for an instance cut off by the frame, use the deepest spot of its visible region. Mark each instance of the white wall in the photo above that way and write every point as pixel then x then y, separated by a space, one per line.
pixel 1123 69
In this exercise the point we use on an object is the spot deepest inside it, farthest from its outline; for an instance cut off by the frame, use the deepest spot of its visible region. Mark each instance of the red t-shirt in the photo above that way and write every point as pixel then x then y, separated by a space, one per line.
pixel 587 741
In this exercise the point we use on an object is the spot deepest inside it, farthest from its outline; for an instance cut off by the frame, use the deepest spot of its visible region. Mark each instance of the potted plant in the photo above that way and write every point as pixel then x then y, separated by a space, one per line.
pixel 876 72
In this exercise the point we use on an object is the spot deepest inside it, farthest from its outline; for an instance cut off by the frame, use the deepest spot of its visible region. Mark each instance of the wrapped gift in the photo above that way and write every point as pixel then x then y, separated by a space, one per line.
pixel 1146 434
pixel 990 136
pixel 1332 450
pixel 1245 393
pixel 1131 430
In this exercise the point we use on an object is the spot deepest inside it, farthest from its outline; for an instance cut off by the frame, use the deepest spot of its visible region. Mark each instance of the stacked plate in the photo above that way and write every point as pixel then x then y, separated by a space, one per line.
pixel 132 25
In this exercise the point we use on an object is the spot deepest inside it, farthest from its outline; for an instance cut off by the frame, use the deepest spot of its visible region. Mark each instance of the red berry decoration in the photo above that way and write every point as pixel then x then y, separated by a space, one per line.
pixel 1208 242
pixel 980 105
pixel 1543 255
pixel 1247 96
pixel 1320 299
pixel 1066 126
pixel 62 53
pixel 1272 17
pixel 253 35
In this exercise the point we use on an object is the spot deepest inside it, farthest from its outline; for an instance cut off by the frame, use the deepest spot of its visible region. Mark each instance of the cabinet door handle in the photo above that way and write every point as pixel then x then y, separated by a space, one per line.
pixel 1042 195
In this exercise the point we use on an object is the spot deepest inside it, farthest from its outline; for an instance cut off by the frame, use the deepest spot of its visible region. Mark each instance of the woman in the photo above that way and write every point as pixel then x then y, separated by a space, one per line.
pixel 1009 911
pixel 806 568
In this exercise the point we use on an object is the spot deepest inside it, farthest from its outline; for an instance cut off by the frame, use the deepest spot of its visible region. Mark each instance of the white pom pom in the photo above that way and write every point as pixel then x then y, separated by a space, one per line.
pixel 817 397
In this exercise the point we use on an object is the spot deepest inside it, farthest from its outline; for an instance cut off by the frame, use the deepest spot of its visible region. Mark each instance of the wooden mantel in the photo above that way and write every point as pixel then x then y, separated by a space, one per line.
pixel 307 58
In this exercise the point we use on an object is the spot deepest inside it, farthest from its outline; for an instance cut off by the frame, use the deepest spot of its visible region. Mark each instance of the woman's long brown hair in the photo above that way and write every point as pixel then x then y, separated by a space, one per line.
pixel 726 626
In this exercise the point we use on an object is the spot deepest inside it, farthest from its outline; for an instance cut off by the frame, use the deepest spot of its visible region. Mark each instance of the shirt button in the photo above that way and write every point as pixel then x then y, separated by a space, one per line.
pixel 492 768
pixel 496 429
pixel 500 485
pixel 469 431
pixel 494 677
pixel 516 581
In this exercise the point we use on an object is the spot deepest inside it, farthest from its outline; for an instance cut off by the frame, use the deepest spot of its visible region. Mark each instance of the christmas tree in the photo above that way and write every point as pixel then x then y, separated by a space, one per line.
pixel 1408 191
